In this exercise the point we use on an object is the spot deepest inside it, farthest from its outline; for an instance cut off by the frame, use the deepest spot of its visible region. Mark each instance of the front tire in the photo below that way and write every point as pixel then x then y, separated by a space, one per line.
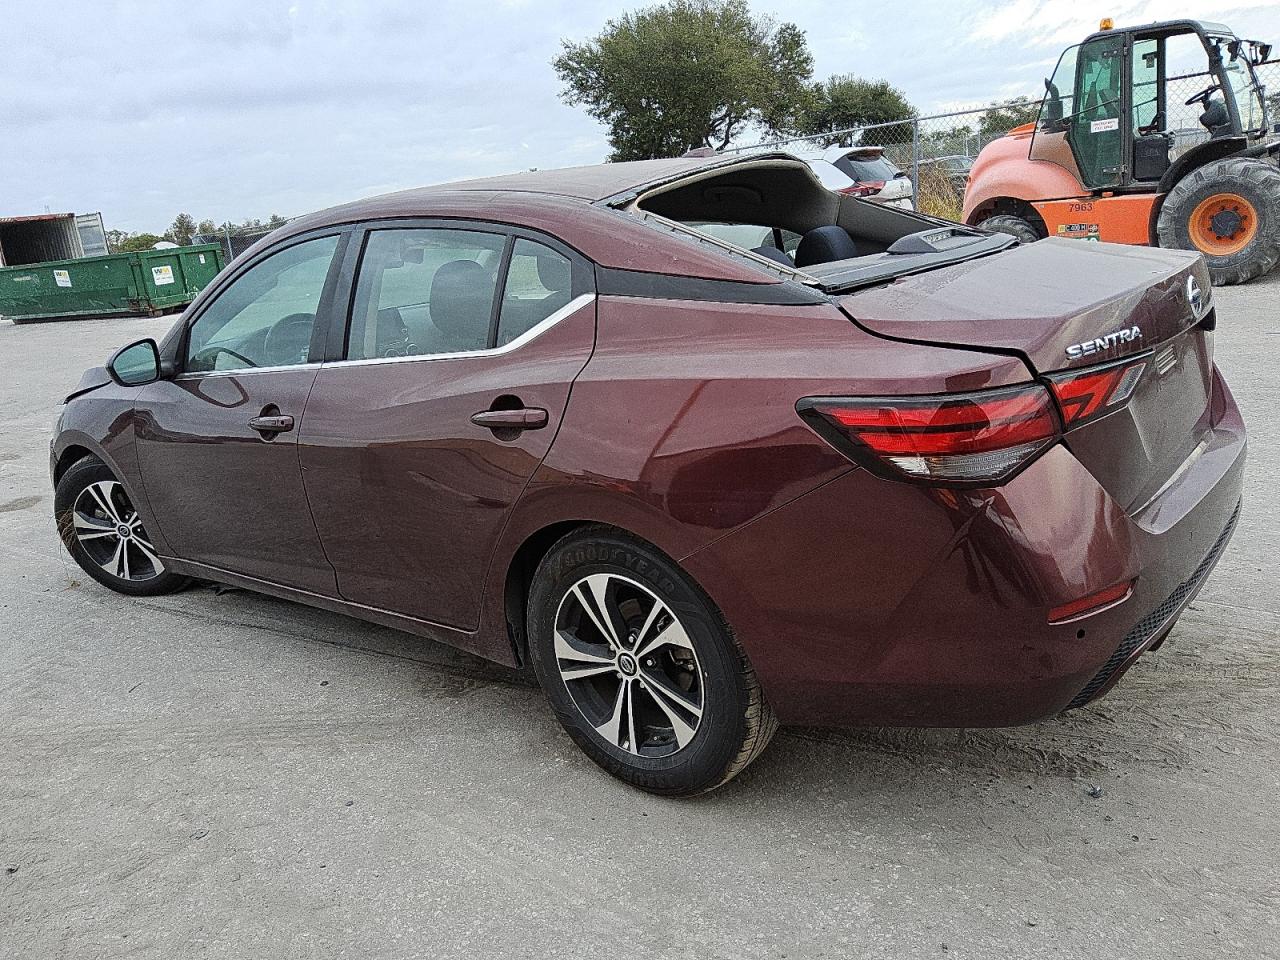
pixel 1229 211
pixel 1018 227
pixel 104 534
pixel 640 668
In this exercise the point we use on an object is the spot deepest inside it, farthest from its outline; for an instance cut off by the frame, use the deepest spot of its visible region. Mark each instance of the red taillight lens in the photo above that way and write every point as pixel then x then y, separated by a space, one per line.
pixel 961 438
pixel 1083 395
pixel 866 188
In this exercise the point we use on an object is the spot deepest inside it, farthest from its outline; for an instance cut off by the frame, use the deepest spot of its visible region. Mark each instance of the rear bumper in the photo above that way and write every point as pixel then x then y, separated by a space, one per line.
pixel 1156 624
pixel 872 601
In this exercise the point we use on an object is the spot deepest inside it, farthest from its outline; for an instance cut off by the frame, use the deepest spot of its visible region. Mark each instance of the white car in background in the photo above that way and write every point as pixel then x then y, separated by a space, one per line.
pixel 864 172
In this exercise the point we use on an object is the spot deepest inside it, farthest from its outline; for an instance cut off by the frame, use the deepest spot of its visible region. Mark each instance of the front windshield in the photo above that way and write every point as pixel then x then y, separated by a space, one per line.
pixel 1059 93
pixel 1240 76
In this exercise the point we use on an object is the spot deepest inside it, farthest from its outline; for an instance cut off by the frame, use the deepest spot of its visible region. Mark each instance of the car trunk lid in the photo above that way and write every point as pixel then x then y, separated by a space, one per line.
pixel 1063 305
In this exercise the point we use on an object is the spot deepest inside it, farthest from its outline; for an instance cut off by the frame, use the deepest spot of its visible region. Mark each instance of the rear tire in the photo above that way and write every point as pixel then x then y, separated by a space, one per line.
pixel 104 535
pixel 1229 211
pixel 1024 230
pixel 640 668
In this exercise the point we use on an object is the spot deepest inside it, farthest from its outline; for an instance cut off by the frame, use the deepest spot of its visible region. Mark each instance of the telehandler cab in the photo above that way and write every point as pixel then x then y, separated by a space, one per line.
pixel 1121 153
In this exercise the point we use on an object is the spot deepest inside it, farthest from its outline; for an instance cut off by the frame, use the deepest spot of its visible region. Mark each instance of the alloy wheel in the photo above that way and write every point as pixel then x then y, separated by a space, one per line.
pixel 629 665
pixel 110 532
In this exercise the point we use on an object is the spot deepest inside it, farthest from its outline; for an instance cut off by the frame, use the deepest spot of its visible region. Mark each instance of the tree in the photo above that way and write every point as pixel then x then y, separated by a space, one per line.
pixel 1000 118
pixel 206 227
pixel 845 101
pixel 137 241
pixel 181 230
pixel 685 74
pixel 947 141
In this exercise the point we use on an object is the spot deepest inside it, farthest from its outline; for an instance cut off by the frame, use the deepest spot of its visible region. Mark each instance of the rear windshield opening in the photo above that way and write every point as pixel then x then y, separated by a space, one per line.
pixel 779 214
pixel 867 169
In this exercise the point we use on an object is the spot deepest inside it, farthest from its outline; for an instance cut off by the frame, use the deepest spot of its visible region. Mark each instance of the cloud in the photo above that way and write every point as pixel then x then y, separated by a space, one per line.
pixel 243 108
pixel 1032 23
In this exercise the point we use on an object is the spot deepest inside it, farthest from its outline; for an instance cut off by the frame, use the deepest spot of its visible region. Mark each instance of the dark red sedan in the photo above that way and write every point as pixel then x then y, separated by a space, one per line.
pixel 876 468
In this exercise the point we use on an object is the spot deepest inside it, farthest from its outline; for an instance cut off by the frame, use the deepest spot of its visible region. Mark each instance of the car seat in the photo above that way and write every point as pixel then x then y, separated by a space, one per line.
pixel 825 244
pixel 461 302
pixel 391 335
pixel 770 252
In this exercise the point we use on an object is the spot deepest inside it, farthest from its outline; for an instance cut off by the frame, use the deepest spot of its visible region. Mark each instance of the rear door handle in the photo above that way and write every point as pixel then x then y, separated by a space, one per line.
pixel 526 418
pixel 269 424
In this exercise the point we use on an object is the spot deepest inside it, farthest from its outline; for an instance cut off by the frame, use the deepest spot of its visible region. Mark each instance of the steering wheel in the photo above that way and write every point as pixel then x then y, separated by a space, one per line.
pixel 289 339
pixel 1203 96
pixel 207 359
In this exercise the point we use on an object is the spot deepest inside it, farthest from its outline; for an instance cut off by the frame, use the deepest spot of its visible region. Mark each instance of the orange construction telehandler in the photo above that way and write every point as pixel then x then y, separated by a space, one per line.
pixel 1120 154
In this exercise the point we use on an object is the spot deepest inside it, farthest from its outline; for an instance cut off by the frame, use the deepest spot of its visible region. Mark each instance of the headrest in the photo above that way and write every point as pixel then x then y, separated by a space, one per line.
pixel 554 272
pixel 773 253
pixel 825 244
pixel 461 299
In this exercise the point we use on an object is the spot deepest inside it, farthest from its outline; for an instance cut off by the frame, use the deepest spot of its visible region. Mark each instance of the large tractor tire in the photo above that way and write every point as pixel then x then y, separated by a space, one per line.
pixel 1229 210
pixel 1024 230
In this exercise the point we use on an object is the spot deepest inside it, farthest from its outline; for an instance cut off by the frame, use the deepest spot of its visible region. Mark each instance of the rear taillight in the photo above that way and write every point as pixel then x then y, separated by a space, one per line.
pixel 866 188
pixel 1084 395
pixel 957 438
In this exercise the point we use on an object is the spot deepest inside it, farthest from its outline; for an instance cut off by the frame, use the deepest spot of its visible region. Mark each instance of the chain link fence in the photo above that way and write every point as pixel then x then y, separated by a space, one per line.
pixel 234 240
pixel 936 151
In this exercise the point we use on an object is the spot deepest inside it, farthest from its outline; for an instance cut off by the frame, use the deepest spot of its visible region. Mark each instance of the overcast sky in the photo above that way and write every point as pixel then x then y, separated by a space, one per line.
pixel 244 108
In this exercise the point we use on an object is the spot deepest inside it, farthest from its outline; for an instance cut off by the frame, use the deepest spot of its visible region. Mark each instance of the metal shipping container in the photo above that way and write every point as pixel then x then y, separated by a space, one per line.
pixel 36 239
pixel 150 282
pixel 93 235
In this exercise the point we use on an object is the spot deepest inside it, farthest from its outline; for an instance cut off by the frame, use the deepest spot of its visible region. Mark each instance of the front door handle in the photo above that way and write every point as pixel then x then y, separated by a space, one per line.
pixel 525 418
pixel 272 424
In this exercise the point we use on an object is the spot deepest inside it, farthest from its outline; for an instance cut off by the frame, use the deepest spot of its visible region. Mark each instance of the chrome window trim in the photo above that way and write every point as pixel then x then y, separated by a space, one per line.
pixel 537 330
pixel 242 371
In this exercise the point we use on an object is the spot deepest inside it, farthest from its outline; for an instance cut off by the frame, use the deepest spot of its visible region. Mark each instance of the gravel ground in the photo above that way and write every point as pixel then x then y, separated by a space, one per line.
pixel 228 775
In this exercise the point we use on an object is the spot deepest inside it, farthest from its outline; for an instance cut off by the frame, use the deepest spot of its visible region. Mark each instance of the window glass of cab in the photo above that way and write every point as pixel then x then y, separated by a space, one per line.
pixel 423 292
pixel 1095 126
pixel 1146 86
pixel 264 318
pixel 539 282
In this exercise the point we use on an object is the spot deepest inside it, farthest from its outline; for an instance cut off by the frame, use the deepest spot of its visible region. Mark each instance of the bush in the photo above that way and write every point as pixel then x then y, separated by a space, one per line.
pixel 937 195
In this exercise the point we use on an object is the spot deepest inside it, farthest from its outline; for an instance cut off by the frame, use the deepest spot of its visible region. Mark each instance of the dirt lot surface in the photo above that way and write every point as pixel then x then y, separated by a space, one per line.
pixel 227 775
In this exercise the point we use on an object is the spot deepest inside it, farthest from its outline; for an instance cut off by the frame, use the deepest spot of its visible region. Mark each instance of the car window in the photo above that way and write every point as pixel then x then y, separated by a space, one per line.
pixel 424 291
pixel 539 282
pixel 867 169
pixel 745 235
pixel 748 235
pixel 829 175
pixel 264 318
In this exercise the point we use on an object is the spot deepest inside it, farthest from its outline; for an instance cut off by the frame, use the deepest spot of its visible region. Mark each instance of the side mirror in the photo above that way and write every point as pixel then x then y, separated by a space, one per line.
pixel 136 364
pixel 1052 107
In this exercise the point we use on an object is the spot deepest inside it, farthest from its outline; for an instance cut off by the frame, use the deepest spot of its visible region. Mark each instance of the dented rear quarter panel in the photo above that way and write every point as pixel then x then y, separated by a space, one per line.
pixel 683 425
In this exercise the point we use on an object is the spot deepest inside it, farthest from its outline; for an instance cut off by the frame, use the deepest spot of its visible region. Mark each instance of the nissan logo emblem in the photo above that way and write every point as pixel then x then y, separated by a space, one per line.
pixel 1194 296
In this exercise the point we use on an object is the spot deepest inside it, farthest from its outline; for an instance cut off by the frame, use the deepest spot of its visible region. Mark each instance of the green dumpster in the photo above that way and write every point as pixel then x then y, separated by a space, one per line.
pixel 148 282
